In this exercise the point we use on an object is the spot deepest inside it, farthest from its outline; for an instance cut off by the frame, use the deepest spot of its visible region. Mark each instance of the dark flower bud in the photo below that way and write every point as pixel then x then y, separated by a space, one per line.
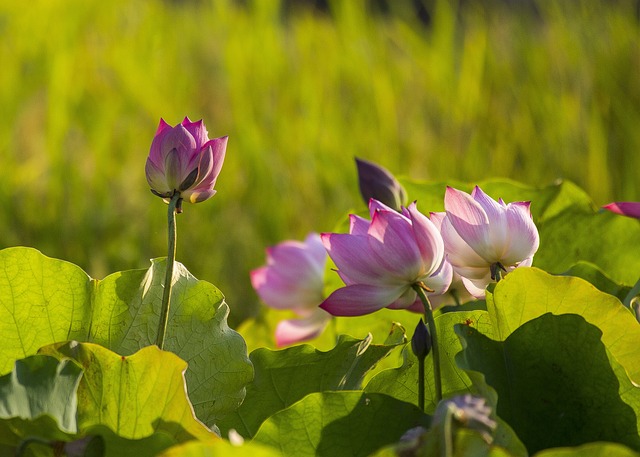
pixel 378 183
pixel 421 341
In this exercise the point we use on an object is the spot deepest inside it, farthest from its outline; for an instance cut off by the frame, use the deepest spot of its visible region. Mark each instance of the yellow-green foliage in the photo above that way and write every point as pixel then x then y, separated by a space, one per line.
pixel 480 92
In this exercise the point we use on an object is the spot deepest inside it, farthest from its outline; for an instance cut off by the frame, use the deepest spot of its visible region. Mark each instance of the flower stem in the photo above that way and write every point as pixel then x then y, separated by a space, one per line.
pixel 421 383
pixel 428 314
pixel 168 277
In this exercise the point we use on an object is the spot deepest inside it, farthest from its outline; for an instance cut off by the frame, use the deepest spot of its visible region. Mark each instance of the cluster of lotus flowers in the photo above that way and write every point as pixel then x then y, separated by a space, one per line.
pixel 475 241
pixel 455 253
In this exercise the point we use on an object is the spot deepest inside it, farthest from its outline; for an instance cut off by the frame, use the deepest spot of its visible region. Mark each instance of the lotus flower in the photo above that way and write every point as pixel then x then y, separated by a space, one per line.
pixel 457 293
pixel 293 279
pixel 183 159
pixel 381 260
pixel 484 238
pixel 630 209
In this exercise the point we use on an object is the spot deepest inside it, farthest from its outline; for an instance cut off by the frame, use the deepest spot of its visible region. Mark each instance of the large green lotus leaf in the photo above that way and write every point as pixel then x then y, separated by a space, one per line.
pixel 402 383
pixel 590 450
pixel 43 300
pixel 284 377
pixel 38 406
pixel 220 448
pixel 135 395
pixel 47 301
pixel 556 382
pixel 126 317
pixel 339 424
pixel 41 385
pixel 528 293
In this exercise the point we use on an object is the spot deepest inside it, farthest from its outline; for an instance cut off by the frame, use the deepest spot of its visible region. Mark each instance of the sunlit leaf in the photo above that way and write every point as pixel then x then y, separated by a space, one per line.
pixel 284 377
pixel 43 300
pixel 135 395
pixel 47 301
pixel 339 423
pixel 126 318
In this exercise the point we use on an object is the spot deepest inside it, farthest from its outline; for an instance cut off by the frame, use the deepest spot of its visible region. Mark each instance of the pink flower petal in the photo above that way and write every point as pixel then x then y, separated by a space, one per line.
pixel 523 239
pixel 437 218
pixel 277 292
pixel 630 209
pixel 393 241
pixel 459 253
pixel 498 230
pixel 440 281
pixel 469 219
pixel 197 130
pixel 315 250
pixel 406 300
pixel 375 205
pixel 352 256
pixel 428 238
pixel 476 287
pixel 358 225
pixel 360 299
pixel 294 331
pixel 156 177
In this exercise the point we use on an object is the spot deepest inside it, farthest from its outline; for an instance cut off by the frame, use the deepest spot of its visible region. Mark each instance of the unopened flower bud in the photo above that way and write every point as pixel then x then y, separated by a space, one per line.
pixel 183 159
pixel 421 341
pixel 378 183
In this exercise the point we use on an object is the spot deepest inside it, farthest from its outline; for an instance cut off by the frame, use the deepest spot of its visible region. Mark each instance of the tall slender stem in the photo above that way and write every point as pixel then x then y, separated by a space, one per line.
pixel 428 314
pixel 168 277
pixel 421 383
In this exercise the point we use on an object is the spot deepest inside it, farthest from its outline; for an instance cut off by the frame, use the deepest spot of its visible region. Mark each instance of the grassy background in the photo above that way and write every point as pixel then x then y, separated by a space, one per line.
pixel 480 92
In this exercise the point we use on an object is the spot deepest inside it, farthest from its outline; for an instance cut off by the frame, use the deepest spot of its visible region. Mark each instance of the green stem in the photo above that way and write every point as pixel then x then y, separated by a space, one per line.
pixel 448 432
pixel 421 383
pixel 168 277
pixel 428 314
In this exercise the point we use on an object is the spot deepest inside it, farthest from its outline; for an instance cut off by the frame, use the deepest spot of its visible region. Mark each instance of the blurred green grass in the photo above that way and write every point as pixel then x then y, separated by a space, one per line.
pixel 483 91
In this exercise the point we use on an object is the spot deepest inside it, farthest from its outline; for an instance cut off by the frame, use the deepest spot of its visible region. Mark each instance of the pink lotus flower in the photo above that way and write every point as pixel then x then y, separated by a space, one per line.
pixel 485 238
pixel 380 261
pixel 457 293
pixel 183 159
pixel 630 209
pixel 293 279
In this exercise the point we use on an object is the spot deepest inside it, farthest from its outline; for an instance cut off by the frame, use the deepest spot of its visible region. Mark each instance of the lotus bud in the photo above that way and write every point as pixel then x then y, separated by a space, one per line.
pixel 183 160
pixel 378 183
pixel 421 341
